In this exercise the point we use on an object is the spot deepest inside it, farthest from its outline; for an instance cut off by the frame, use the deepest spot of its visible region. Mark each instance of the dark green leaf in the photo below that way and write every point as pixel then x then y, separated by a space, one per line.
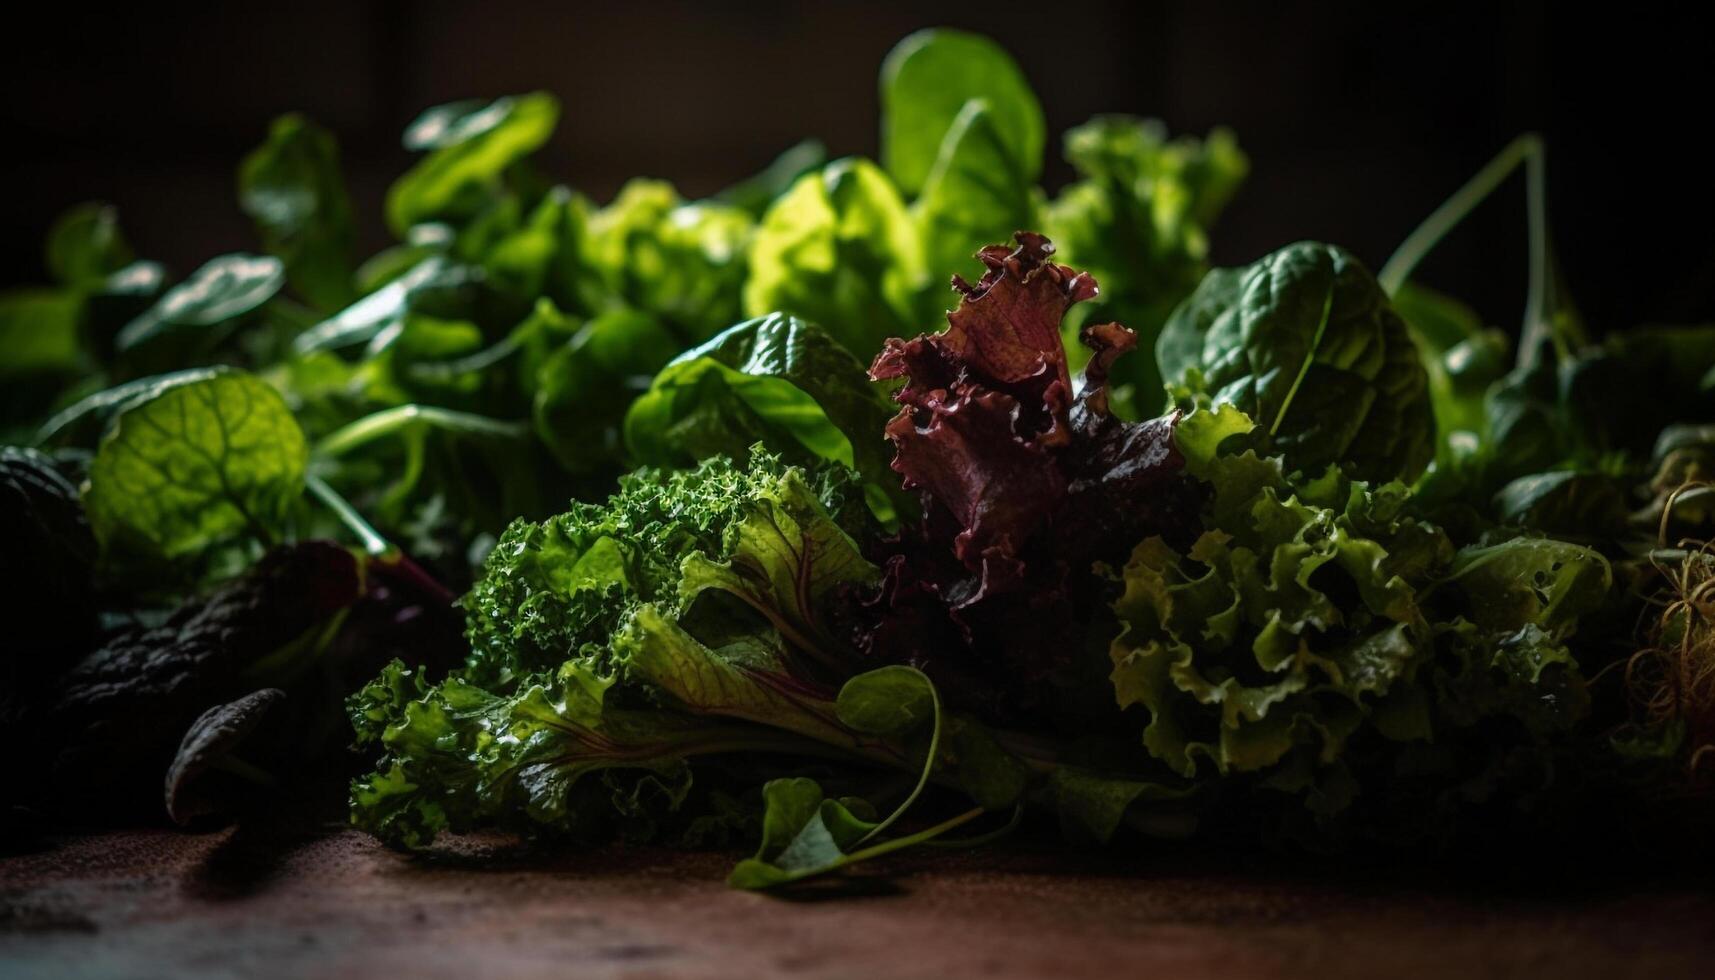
pixel 85 246
pixel 766 378
pixel 584 388
pixel 198 312
pixel 1305 342
pixel 291 187
pixel 1579 506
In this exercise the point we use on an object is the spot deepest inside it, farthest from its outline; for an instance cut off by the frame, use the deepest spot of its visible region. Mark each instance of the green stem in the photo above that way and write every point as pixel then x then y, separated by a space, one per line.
pixel 1536 295
pixel 384 423
pixel 373 542
pixel 1445 218
pixel 982 839
pixel 901 843
pixel 928 763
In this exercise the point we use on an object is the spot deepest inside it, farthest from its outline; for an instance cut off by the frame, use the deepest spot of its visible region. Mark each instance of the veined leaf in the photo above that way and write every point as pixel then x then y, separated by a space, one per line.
pixel 196 463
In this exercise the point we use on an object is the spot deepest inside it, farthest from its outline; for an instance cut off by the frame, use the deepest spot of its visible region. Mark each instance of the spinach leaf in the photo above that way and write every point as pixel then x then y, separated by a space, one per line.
pixel 926 81
pixel 1306 343
pixel 194 317
pixel 471 150
pixel 584 388
pixel 774 379
pixel 291 187
pixel 1575 506
pixel 434 282
pixel 195 464
pixel 1621 393
pixel 977 193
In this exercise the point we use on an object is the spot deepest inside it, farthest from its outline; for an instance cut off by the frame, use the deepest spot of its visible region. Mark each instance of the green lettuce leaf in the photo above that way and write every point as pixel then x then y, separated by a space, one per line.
pixel 683 263
pixel 840 249
pixel 469 151
pixel 195 464
pixel 1278 628
pixel 1138 219
pixel 926 82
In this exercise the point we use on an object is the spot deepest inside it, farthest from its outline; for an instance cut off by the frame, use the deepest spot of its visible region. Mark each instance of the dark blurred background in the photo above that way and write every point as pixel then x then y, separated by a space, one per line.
pixel 1358 119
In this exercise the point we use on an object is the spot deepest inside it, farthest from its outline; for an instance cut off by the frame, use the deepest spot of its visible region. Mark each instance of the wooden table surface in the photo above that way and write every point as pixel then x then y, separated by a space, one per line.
pixel 331 904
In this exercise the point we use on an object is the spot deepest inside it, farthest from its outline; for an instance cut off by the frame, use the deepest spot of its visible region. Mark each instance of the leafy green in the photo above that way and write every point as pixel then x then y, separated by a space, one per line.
pixel 681 262
pixel 193 465
pixel 429 284
pixel 583 390
pixel 470 149
pixel 561 588
pixel 756 193
pixel 1277 629
pixel 192 318
pixel 1305 343
pixel 926 82
pixel 978 192
pixel 688 585
pixel 1373 576
pixel 839 249
pixel 1138 220
pixel 291 187
pixel 85 246
pixel 776 380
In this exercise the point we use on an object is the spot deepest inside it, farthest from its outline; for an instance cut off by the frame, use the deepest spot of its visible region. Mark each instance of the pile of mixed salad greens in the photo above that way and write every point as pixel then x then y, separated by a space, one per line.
pixel 646 520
